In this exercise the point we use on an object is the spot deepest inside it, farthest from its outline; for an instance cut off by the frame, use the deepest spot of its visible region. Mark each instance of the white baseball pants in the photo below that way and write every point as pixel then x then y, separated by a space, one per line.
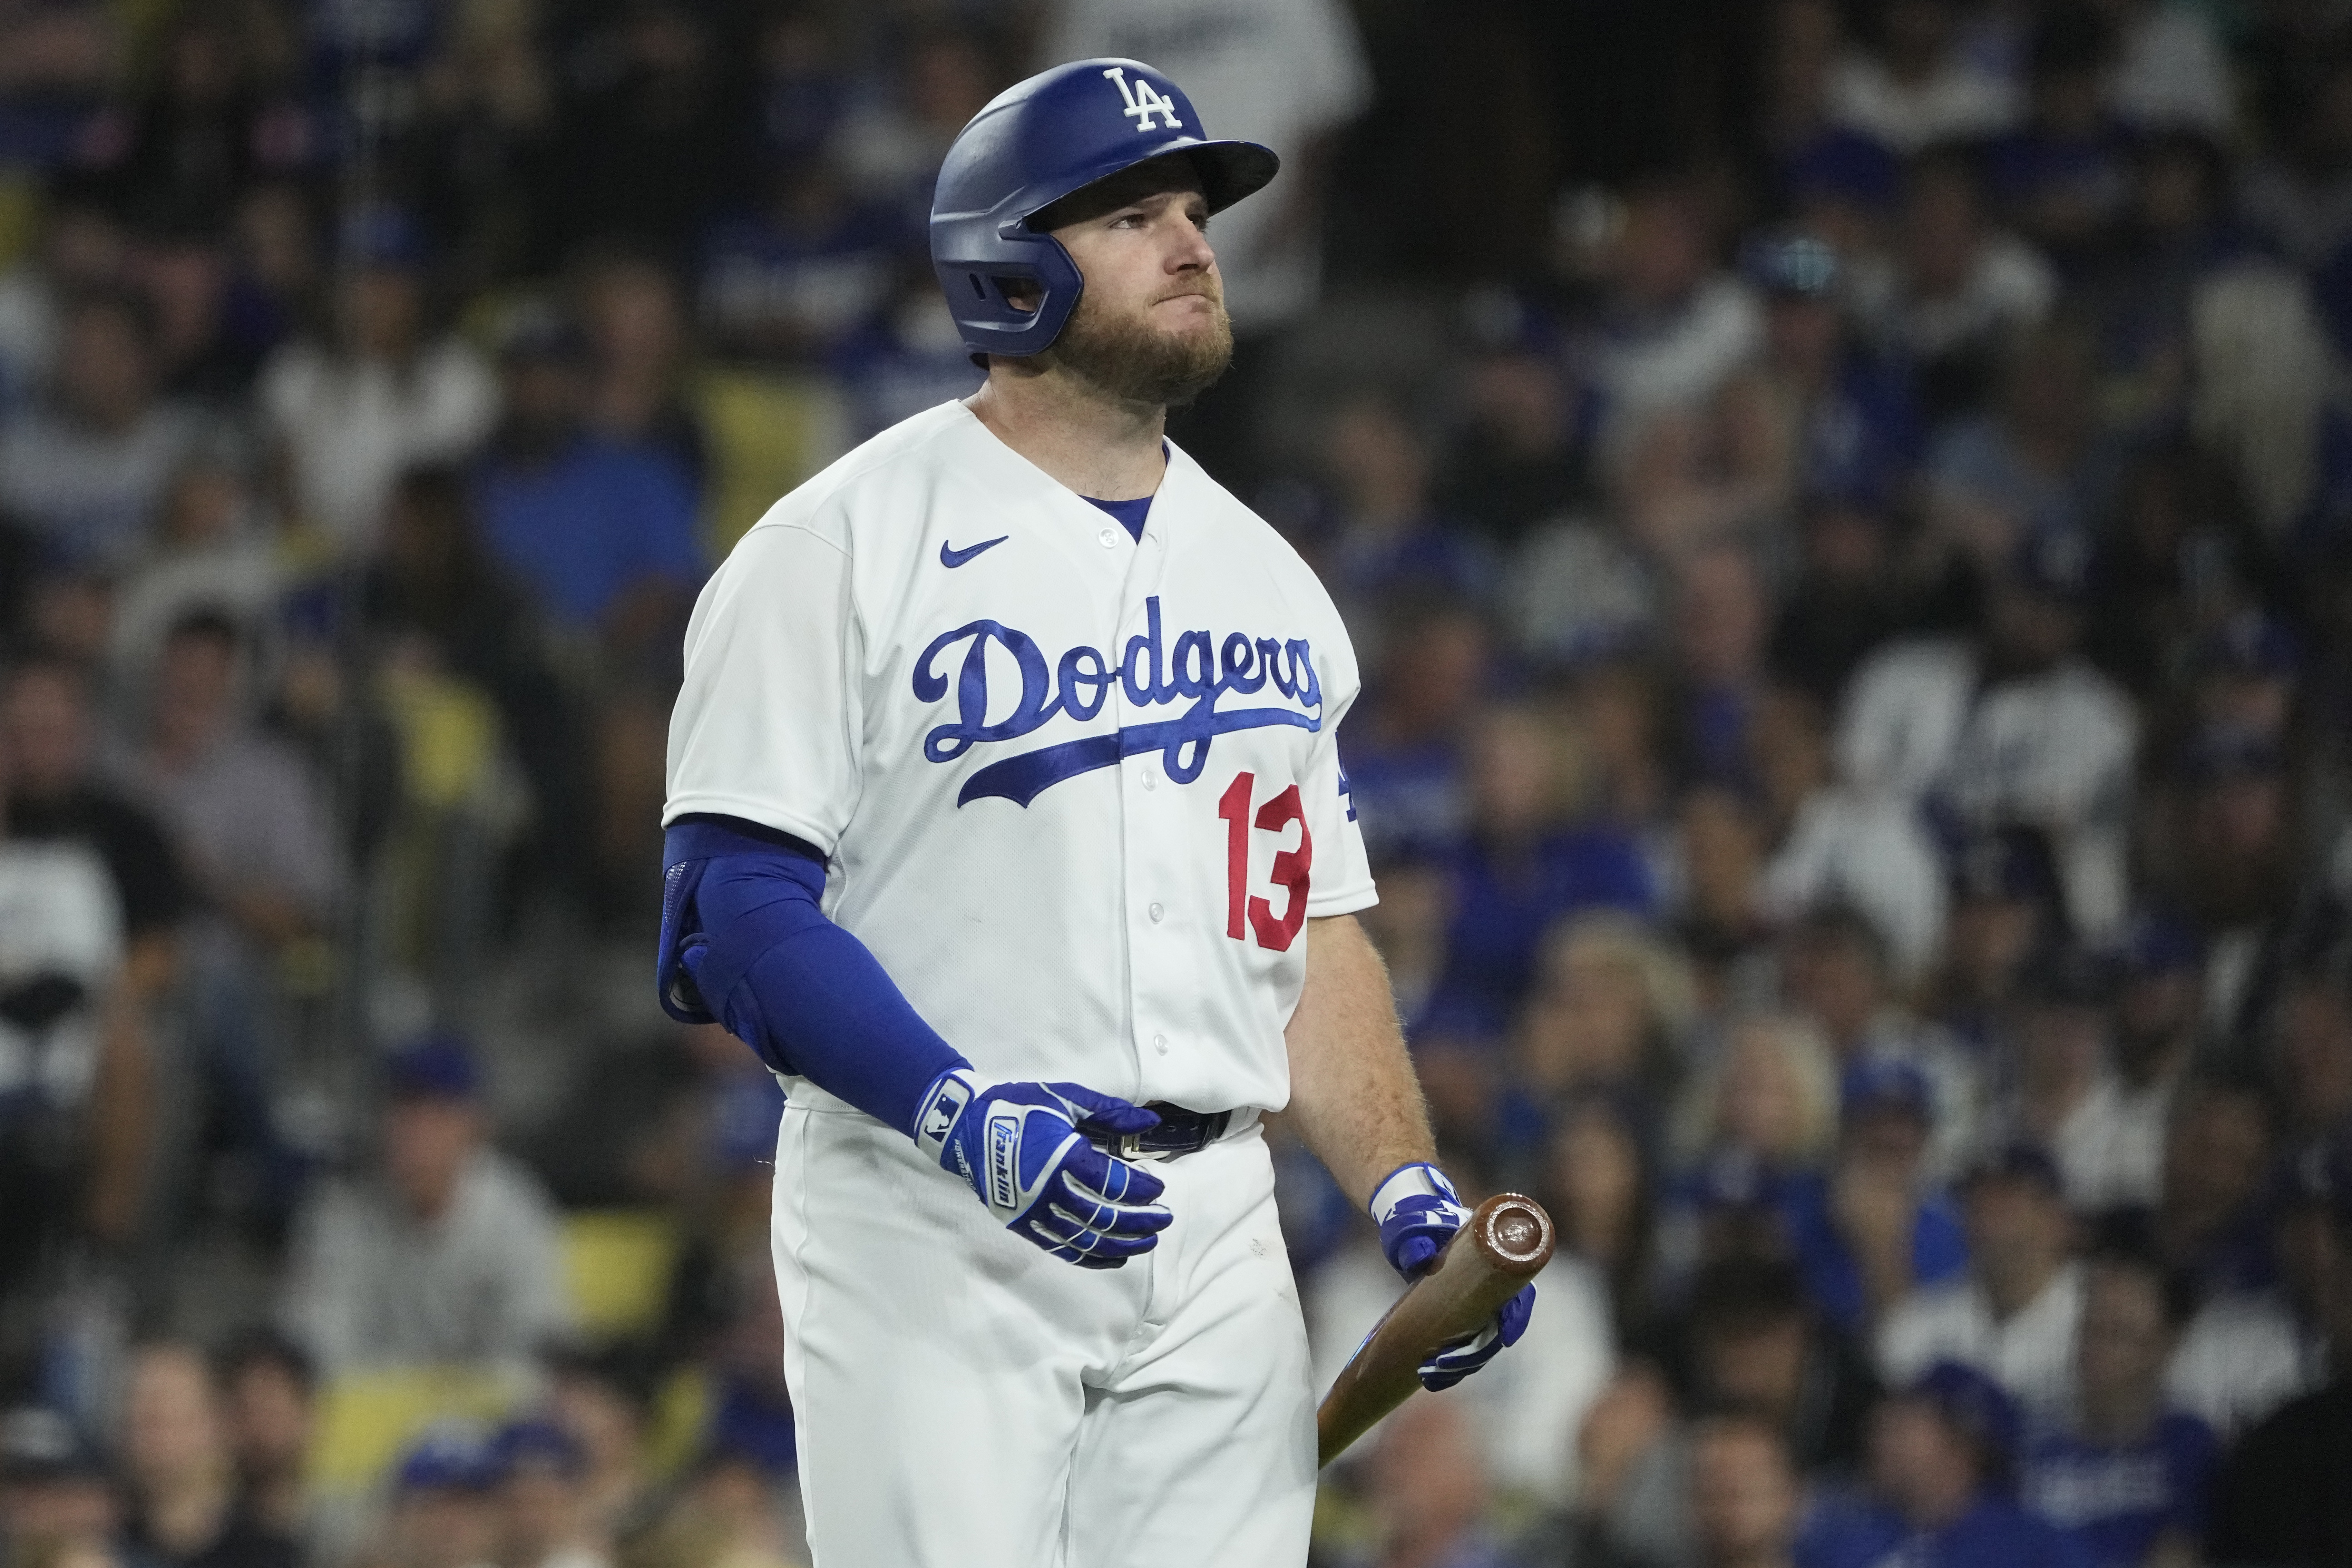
pixel 965 1401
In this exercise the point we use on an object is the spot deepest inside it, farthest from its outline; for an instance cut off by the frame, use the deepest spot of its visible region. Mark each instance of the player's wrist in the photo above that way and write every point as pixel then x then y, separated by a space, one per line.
pixel 1414 1178
pixel 942 1104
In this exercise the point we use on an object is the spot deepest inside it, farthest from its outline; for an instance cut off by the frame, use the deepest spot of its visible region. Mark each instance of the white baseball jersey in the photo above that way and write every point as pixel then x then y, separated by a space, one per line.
pixel 1078 793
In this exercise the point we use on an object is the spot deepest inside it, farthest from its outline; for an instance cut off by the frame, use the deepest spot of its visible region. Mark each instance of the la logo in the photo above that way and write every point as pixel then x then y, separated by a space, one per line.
pixel 1143 101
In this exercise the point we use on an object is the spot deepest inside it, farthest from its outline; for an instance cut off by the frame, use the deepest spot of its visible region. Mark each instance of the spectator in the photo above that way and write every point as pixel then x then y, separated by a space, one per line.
pixel 1520 798
pixel 1768 1095
pixel 382 394
pixel 442 1515
pixel 2158 1020
pixel 1671 329
pixel 2127 1475
pixel 1604 1192
pixel 1920 86
pixel 212 549
pixel 1941 1459
pixel 635 326
pixel 1839 423
pixel 435 590
pixel 2280 1497
pixel 2064 177
pixel 1722 612
pixel 2311 1068
pixel 729 1510
pixel 2010 726
pixel 1753 1343
pixel 81 242
pixel 1429 1479
pixel 789 281
pixel 889 146
pixel 1847 599
pixel 446 1255
pixel 56 1489
pixel 1609 1014
pixel 2013 1315
pixel 1746 1496
pixel 1384 538
pixel 2006 906
pixel 2249 1350
pixel 597 1404
pixel 544 1524
pixel 1956 291
pixel 1517 460
pixel 185 1510
pixel 59 794
pixel 1873 1228
pixel 248 823
pixel 269 1390
pixel 1843 848
pixel 2215 1153
pixel 1836 974
pixel 2068 1100
pixel 84 470
pixel 76 1091
pixel 600 535
pixel 2034 470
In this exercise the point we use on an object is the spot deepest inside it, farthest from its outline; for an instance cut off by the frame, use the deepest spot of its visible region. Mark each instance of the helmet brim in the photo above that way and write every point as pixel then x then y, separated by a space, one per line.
pixel 1228 170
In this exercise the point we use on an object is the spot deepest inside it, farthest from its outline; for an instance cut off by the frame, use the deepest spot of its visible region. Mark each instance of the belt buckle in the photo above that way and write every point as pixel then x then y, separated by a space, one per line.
pixel 1129 1146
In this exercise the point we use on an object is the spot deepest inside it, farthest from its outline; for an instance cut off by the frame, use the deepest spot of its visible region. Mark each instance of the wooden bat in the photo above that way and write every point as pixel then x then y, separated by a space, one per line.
pixel 1508 1240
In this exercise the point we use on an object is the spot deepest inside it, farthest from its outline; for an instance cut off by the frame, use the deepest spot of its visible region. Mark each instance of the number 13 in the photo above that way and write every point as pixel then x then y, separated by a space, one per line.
pixel 1289 870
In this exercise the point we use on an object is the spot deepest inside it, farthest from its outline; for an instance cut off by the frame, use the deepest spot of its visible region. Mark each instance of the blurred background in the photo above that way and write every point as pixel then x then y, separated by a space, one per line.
pixel 1846 511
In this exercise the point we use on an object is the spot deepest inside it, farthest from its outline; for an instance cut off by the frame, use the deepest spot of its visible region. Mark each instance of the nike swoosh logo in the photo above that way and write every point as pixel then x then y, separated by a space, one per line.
pixel 951 557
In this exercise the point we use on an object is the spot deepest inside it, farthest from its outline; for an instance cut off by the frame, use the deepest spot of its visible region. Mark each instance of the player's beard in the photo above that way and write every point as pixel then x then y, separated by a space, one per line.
pixel 1135 361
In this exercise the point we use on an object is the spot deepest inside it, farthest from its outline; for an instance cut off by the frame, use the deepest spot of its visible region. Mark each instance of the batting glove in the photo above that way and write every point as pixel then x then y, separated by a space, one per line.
pixel 1418 1210
pixel 1022 1148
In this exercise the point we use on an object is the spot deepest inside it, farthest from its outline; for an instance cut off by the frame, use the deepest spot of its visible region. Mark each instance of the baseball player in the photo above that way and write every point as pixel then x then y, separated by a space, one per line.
pixel 1007 823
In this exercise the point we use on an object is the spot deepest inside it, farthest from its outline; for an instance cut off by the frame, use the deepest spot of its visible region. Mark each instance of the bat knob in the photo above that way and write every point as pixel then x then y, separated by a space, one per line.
pixel 1517 1231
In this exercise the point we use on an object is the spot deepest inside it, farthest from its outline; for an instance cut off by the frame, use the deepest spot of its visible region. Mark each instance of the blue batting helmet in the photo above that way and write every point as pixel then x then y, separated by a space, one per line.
pixel 1034 143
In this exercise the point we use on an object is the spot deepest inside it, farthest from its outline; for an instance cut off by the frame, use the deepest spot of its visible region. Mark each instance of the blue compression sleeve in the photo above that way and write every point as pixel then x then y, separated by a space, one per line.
pixel 745 943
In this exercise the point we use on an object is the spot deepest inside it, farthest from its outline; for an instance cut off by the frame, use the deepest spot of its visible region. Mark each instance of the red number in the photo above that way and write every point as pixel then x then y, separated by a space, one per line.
pixel 1290 866
pixel 1233 807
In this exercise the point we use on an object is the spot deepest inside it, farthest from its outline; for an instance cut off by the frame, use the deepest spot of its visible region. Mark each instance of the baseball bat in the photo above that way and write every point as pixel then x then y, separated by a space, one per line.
pixel 1508 1241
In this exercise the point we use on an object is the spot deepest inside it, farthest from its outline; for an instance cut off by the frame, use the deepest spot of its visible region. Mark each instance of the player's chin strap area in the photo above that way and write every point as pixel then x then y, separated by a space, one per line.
pixel 1179 1131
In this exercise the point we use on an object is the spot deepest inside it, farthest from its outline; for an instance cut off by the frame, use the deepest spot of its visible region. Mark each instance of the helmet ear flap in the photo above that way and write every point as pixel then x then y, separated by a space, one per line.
pixel 989 291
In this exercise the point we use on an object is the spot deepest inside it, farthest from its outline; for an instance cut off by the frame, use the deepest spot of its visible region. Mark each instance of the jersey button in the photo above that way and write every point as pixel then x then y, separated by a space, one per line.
pixel 1108 539
pixel 1150 779
pixel 1159 1043
pixel 1156 912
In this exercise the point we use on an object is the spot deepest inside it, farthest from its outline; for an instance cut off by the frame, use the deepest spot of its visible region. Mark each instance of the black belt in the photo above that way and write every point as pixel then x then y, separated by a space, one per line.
pixel 1179 1131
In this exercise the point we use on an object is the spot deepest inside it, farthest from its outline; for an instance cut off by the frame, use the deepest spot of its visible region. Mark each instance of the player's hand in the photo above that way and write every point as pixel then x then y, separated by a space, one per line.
pixel 1457 1361
pixel 1022 1148
pixel 1418 1212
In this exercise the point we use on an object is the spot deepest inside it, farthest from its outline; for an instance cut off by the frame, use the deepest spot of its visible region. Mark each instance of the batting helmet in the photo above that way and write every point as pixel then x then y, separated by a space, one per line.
pixel 1038 141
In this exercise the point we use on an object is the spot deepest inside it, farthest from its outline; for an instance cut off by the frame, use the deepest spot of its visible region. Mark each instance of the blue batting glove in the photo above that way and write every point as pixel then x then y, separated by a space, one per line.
pixel 1418 1212
pixel 1022 1148
pixel 1457 1361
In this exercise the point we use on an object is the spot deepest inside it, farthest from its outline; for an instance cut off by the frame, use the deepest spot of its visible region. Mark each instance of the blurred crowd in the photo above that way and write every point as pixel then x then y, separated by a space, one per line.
pixel 1846 511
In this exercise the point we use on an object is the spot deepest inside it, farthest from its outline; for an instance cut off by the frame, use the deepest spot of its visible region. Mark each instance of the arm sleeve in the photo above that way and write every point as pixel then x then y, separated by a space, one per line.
pixel 745 942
